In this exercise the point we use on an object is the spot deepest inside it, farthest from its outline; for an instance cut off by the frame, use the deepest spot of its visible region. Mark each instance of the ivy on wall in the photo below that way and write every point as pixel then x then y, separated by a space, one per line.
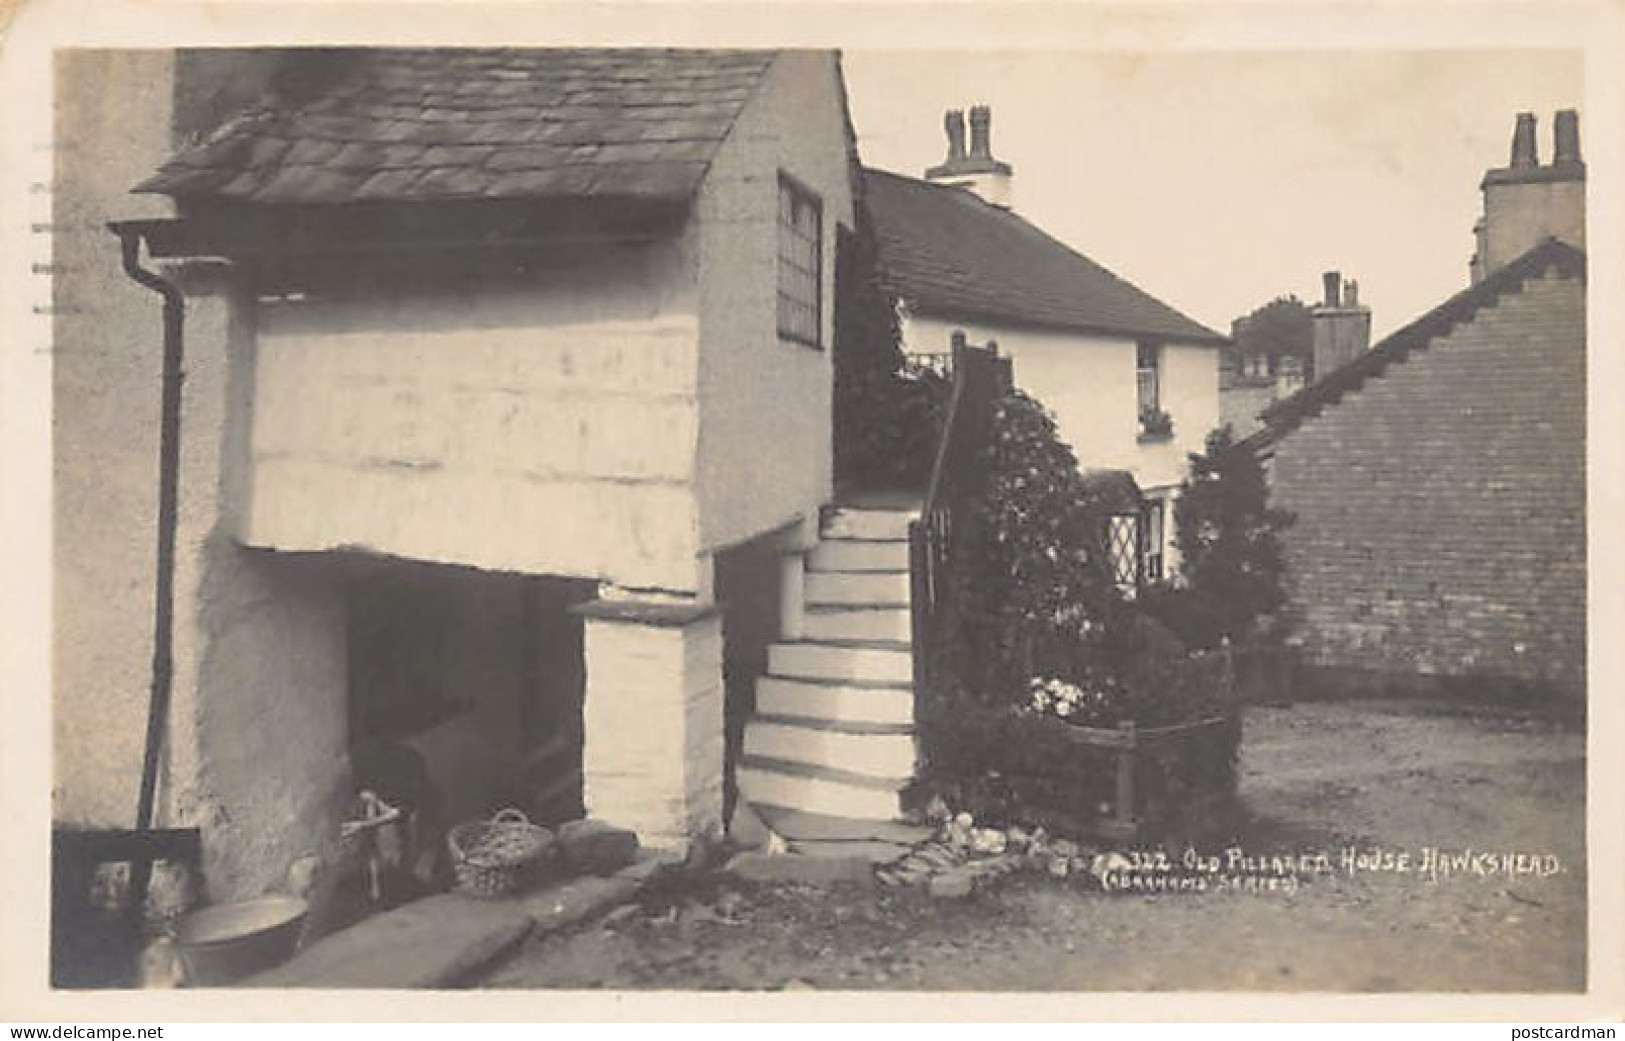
pixel 886 418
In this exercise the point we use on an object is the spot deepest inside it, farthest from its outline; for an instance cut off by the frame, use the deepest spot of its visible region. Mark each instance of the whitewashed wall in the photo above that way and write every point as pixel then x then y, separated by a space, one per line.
pixel 112 117
pixel 1088 381
pixel 546 423
pixel 764 441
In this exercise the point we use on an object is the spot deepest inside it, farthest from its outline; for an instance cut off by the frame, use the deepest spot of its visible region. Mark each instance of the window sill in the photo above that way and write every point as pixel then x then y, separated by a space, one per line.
pixel 1148 438
pixel 800 341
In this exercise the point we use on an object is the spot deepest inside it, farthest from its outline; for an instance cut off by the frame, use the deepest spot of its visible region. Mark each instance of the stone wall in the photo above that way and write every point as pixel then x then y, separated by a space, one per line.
pixel 1240 404
pixel 1441 507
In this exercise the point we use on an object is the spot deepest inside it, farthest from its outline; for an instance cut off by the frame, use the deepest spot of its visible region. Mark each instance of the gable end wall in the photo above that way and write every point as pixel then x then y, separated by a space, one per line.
pixel 1440 508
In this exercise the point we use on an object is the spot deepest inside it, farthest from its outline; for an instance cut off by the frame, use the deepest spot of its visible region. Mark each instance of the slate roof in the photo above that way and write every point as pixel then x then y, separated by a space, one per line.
pixel 1289 413
pixel 407 125
pixel 948 253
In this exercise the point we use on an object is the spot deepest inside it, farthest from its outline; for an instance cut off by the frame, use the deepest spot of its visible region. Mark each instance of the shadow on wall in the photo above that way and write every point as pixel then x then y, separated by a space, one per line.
pixel 747 587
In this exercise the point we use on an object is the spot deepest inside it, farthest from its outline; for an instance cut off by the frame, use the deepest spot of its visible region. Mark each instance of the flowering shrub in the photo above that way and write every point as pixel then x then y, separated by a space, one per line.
pixel 1086 704
pixel 1032 573
pixel 1043 636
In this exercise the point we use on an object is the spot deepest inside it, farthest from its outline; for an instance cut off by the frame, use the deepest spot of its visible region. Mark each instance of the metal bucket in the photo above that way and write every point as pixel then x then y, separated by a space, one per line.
pixel 225 943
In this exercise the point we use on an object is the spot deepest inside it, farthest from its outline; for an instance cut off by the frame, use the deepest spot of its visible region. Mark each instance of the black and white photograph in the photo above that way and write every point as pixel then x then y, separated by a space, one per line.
pixel 1085 515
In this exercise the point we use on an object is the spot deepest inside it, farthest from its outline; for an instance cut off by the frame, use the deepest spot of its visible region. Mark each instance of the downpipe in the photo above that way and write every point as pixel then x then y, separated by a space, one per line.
pixel 169 434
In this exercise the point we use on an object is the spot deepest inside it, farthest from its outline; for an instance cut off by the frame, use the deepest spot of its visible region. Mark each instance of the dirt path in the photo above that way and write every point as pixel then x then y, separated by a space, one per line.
pixel 1384 779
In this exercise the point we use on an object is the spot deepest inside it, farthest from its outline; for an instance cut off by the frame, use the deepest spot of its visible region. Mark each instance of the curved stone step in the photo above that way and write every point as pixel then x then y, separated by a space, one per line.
pixel 834 702
pixel 836 793
pixel 886 756
pixel 857 588
pixel 858 623
pixel 880 662
pixel 858 555
pixel 797 826
pixel 848 522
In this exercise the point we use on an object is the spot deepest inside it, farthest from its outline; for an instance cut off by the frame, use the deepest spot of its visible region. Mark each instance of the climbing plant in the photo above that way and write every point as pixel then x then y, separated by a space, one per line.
pixel 886 418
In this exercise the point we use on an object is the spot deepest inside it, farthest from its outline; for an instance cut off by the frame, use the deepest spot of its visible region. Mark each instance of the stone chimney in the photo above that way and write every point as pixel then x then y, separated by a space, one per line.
pixel 973 167
pixel 1342 325
pixel 1526 203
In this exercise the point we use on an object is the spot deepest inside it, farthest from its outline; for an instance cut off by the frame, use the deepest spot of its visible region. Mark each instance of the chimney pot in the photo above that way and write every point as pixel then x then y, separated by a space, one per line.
pixel 1523 141
pixel 1332 282
pixel 1566 127
pixel 1351 294
pixel 953 121
pixel 981 132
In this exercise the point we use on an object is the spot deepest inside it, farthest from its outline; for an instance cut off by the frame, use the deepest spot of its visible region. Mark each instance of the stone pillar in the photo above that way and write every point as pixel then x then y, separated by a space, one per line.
pixel 653 718
pixel 792 596
pixel 795 542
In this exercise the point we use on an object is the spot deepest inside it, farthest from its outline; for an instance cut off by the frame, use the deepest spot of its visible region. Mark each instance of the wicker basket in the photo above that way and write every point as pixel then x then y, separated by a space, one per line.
pixel 497 857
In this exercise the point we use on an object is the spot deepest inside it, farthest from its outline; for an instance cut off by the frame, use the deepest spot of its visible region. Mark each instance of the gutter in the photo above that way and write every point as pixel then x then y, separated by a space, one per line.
pixel 131 235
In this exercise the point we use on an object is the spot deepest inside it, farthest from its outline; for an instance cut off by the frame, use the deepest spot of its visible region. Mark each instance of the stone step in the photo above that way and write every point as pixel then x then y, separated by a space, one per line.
pixel 842 662
pixel 872 852
pixel 797 826
pixel 857 589
pixel 775 783
pixel 834 702
pixel 858 623
pixel 847 522
pixel 858 555
pixel 881 755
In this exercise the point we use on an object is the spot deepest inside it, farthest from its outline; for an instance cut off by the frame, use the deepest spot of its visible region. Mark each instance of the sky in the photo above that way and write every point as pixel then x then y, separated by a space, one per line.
pixel 1219 181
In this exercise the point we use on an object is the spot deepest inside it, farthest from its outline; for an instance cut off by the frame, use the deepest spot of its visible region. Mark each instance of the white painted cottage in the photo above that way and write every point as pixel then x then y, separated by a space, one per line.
pixel 493 362
pixel 1133 383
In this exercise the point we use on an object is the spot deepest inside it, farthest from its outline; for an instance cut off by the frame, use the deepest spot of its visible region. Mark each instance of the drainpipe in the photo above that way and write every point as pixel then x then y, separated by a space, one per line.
pixel 164 580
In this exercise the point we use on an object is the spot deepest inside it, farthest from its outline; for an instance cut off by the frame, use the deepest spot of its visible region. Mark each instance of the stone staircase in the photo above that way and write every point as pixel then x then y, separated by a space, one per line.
pixel 832 743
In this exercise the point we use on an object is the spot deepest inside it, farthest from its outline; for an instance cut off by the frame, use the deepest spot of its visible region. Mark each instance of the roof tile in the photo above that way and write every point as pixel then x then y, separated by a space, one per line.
pixel 558 181
pixel 421 124
pixel 947 252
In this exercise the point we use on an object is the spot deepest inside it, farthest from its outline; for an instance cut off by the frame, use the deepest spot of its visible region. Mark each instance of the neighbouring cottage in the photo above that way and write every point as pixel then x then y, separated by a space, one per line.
pixel 496 363
pixel 1259 370
pixel 1439 480
pixel 1133 383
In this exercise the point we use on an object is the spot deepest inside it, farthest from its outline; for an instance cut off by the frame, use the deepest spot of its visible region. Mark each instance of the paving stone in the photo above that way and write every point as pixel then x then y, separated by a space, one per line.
pixel 445 938
pixel 426 943
pixel 577 900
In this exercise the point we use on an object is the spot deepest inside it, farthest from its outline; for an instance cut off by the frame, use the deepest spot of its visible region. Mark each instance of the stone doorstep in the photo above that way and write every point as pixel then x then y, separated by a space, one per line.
pixel 801 869
pixel 441 940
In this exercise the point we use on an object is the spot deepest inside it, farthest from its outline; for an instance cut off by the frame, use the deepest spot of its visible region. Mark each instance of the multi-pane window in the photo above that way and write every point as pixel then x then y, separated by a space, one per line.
pixel 1151 541
pixel 801 254
pixel 1148 370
